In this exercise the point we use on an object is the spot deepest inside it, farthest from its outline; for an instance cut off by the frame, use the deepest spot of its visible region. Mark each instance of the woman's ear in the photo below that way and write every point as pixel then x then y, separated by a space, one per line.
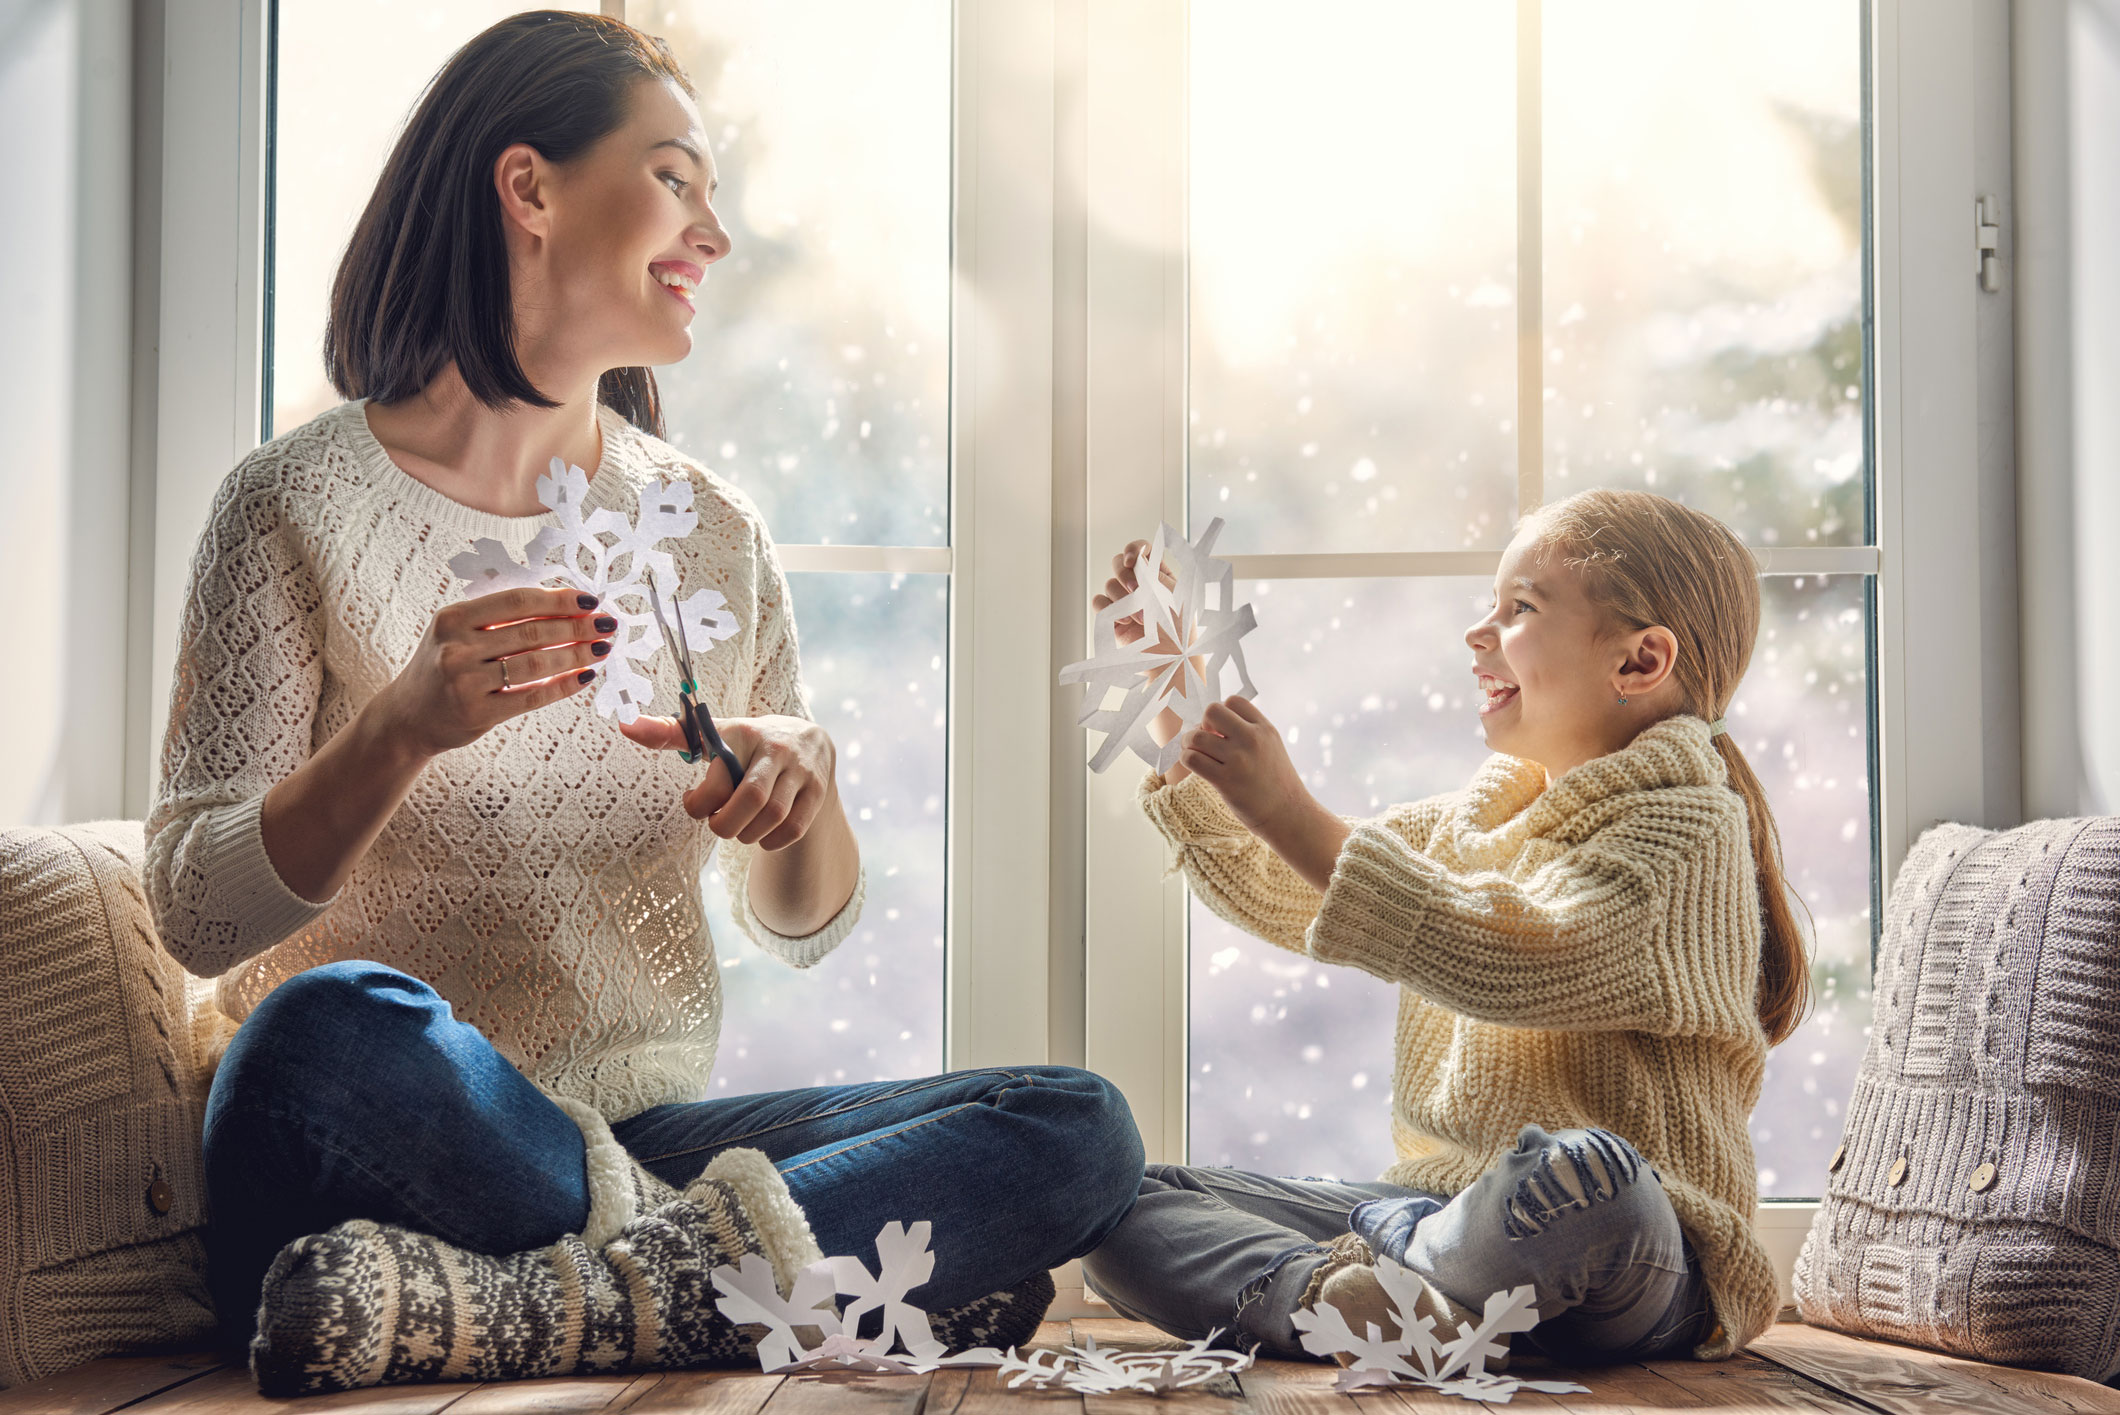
pixel 1651 657
pixel 522 180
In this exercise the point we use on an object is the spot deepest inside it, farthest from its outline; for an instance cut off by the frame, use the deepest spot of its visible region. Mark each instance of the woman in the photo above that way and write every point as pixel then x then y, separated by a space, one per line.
pixel 457 916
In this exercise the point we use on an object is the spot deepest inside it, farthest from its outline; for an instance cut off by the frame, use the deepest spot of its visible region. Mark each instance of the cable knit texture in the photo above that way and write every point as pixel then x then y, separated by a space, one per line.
pixel 544 879
pixel 1584 954
pixel 104 1072
pixel 1974 1203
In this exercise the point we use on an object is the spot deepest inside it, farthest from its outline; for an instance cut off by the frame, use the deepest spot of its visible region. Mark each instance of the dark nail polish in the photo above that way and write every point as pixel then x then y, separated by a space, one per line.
pixel 600 647
pixel 586 601
pixel 585 675
pixel 605 624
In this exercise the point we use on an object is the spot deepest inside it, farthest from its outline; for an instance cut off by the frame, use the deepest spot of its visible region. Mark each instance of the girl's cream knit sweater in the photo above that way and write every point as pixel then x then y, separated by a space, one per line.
pixel 544 879
pixel 1584 954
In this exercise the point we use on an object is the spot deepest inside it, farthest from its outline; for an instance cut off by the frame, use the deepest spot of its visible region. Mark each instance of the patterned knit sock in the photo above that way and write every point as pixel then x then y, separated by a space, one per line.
pixel 373 1304
pixel 1001 1319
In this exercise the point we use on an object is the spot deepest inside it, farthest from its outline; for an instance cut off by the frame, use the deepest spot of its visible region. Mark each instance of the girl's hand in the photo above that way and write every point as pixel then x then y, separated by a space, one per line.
pixel 1242 756
pixel 452 692
pixel 1124 582
pixel 788 776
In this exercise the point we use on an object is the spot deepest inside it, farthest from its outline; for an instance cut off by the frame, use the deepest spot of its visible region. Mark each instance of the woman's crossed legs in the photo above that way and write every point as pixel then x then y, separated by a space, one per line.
pixel 352 1092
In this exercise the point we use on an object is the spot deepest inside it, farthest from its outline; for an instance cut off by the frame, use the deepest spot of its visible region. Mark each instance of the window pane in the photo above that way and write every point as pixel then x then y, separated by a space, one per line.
pixel 1371 682
pixel 1802 720
pixel 349 76
pixel 1703 258
pixel 1353 283
pixel 819 380
pixel 873 650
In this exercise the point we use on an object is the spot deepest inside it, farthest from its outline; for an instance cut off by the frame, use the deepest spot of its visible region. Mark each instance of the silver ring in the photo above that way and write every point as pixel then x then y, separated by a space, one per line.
pixel 504 674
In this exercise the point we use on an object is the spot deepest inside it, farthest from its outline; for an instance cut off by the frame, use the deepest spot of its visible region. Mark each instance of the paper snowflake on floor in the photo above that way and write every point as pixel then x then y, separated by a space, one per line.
pixel 1418 1355
pixel 1095 1370
pixel 575 552
pixel 750 1295
pixel 1193 618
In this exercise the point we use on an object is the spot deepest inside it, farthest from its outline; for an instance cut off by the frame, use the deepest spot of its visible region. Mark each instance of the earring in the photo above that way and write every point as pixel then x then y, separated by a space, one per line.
pixel 1622 702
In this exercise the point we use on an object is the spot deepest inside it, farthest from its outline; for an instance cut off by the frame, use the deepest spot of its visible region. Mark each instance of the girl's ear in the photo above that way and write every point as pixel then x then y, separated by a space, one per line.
pixel 522 180
pixel 1651 657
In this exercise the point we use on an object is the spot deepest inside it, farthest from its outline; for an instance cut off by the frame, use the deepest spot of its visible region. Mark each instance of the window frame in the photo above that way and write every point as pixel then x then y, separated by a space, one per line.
pixel 1068 363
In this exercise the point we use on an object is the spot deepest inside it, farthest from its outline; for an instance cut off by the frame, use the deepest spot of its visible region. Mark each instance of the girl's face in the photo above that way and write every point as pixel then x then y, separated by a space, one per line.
pixel 1550 672
pixel 628 231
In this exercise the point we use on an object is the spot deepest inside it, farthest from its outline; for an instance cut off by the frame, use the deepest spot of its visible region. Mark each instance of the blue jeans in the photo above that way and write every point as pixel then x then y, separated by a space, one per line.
pixel 352 1092
pixel 1578 1214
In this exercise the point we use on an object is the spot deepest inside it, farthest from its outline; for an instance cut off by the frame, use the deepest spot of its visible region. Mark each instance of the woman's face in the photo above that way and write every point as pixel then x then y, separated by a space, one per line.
pixel 630 232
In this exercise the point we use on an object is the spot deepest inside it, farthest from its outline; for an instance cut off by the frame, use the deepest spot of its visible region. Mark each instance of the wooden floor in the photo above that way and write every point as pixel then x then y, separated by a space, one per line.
pixel 1793 1368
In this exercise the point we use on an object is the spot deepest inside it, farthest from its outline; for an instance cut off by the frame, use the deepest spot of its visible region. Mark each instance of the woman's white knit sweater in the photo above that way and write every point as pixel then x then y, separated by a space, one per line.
pixel 544 879
pixel 1584 954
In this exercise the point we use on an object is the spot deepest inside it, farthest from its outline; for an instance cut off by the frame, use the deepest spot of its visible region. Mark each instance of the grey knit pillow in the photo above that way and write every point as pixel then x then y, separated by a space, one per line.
pixel 1974 1203
pixel 105 1045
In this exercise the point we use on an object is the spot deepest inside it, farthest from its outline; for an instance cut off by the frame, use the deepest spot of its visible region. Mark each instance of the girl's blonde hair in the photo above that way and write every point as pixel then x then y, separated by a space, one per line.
pixel 1647 560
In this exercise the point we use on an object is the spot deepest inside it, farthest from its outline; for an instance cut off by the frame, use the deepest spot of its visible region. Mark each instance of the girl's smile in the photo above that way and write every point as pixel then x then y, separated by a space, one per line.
pixel 1499 694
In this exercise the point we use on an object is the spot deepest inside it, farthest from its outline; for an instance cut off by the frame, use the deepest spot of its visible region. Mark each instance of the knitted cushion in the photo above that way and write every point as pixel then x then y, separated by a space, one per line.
pixel 1974 1203
pixel 104 1048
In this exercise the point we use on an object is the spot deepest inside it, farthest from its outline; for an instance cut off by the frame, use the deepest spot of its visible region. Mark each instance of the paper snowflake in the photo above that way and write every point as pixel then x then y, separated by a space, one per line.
pixel 751 1295
pixel 1417 1355
pixel 1096 1370
pixel 617 571
pixel 1193 618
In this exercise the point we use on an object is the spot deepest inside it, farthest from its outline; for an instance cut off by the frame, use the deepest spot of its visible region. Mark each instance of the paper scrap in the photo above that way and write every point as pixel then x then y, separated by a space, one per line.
pixel 616 570
pixel 1096 1370
pixel 1192 638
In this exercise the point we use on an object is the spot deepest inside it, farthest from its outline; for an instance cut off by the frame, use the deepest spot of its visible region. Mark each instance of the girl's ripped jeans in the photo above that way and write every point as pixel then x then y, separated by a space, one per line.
pixel 1578 1214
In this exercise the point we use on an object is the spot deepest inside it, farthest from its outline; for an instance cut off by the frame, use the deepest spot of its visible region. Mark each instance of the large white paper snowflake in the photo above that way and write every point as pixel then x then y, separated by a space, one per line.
pixel 1193 618
pixel 617 571
pixel 750 1294
pixel 1454 1364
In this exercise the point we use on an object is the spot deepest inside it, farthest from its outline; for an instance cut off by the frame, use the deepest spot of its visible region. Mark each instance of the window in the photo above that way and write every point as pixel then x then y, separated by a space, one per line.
pixel 1104 275
pixel 819 385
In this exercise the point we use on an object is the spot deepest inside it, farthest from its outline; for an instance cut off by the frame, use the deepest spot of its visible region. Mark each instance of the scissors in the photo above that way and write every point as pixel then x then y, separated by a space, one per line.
pixel 700 734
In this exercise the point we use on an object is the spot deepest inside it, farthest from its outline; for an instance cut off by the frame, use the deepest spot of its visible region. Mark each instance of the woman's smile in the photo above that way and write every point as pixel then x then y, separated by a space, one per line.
pixel 681 278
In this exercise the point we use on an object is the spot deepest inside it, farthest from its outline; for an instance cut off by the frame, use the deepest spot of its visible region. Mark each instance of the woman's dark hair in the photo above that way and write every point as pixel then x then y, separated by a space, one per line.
pixel 424 281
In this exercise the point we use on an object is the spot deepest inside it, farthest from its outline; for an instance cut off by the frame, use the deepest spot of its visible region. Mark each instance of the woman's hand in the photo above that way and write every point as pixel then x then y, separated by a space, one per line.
pixel 788 776
pixel 1242 756
pixel 456 688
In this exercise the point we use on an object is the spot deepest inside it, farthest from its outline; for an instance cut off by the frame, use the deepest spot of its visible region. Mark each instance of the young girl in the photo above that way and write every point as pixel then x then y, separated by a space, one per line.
pixel 1595 947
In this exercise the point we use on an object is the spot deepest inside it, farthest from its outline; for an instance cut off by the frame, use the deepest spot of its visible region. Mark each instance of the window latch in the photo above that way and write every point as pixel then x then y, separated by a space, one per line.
pixel 1988 238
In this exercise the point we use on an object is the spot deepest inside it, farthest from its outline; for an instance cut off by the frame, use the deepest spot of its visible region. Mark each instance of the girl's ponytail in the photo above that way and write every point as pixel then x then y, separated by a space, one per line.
pixel 1784 964
pixel 1646 559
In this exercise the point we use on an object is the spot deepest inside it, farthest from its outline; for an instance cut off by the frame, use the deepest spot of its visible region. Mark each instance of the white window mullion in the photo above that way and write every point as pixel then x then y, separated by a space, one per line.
pixel 1001 542
pixel 1134 918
